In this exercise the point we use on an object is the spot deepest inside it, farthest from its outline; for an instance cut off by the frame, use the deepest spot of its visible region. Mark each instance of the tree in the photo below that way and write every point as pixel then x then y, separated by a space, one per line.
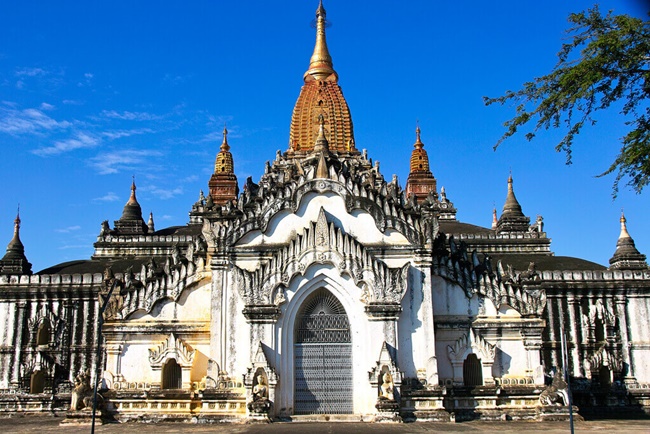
pixel 607 60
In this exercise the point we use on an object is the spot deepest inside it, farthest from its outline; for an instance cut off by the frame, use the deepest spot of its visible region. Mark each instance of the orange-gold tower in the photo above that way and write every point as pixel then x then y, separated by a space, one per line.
pixel 420 181
pixel 223 182
pixel 321 96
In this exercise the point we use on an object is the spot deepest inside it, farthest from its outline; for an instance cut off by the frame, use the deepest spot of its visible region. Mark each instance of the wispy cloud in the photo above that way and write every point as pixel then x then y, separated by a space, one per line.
pixel 164 194
pixel 46 106
pixel 108 197
pixel 30 72
pixel 72 246
pixel 81 140
pixel 29 120
pixel 87 80
pixel 118 134
pixel 130 116
pixel 68 229
pixel 72 102
pixel 112 162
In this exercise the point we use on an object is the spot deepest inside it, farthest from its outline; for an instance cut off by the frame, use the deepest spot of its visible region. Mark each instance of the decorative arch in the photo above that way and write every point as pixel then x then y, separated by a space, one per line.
pixel 322 352
pixel 603 358
pixel 171 353
pixel 44 328
pixel 471 343
pixel 173 347
pixel 298 291
pixel 386 212
pixel 323 243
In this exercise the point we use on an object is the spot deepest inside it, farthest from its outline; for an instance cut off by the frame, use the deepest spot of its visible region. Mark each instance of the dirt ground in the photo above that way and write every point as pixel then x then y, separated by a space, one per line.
pixel 49 424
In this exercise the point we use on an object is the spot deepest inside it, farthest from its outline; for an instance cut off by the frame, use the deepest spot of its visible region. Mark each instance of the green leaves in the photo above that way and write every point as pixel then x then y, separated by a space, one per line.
pixel 606 61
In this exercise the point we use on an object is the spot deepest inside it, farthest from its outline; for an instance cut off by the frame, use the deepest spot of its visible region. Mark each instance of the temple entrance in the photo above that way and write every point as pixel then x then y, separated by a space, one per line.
pixel 323 357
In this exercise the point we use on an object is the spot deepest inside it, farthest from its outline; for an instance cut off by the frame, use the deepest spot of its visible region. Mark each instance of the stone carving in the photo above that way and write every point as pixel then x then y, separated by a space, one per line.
pixel 105 230
pixel 603 357
pixel 557 393
pixel 260 403
pixel 280 298
pixel 82 394
pixel 471 342
pixel 384 375
pixel 333 246
pixel 260 379
pixel 115 301
pixel 530 274
pixel 172 348
pixel 387 387
pixel 500 287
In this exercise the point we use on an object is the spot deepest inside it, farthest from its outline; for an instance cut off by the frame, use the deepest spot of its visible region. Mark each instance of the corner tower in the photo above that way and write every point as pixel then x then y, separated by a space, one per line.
pixel 223 182
pixel 321 96
pixel 420 181
pixel 15 261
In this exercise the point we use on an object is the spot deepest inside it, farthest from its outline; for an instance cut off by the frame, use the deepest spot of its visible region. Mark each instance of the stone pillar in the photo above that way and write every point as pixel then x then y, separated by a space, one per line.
pixel 19 326
pixel 533 344
pixel 218 316
pixel 423 263
pixel 573 338
pixel 114 360
pixel 486 371
pixel 621 313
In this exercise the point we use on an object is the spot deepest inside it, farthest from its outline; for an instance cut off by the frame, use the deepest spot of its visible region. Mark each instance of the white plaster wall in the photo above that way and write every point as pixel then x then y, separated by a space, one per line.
pixel 639 310
pixel 192 305
pixel 450 299
pixel 514 356
pixel 415 328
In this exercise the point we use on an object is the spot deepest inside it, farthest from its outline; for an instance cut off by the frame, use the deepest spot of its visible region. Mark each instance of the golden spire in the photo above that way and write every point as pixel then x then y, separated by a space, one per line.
pixel 132 199
pixel 320 64
pixel 224 162
pixel 624 232
pixel 419 157
pixel 224 143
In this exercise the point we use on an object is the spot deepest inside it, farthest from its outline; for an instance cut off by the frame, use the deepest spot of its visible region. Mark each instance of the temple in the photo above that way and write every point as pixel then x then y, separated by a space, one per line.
pixel 324 288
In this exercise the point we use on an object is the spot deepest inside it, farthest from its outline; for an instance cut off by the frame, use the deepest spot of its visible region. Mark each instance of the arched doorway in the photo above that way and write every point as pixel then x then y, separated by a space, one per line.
pixel 472 372
pixel 37 382
pixel 323 357
pixel 172 375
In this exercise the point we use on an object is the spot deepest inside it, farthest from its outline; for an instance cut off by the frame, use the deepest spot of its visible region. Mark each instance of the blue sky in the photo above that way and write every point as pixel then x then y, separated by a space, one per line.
pixel 92 93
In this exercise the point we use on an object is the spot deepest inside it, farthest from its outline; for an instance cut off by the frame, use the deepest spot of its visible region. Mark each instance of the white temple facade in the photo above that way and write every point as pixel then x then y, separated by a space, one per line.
pixel 324 289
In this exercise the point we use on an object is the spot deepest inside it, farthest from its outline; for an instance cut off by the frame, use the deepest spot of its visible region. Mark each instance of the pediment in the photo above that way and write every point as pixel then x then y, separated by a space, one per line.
pixel 359 223
pixel 323 242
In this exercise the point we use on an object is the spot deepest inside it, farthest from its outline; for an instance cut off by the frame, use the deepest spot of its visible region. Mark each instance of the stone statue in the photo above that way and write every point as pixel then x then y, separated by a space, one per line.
pixel 260 391
pixel 81 395
pixel 557 393
pixel 530 274
pixel 105 230
pixel 279 297
pixel 365 295
pixel 151 270
pixel 176 255
pixel 260 403
pixel 387 387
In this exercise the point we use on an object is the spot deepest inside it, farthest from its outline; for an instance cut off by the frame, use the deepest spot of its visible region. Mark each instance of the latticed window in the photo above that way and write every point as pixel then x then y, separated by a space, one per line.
pixel 472 373
pixel 323 320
